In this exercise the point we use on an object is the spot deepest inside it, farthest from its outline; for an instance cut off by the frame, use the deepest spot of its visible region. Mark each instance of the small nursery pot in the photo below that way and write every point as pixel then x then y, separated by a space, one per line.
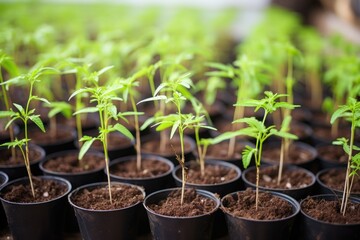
pixel 150 184
pixel 3 180
pixel 243 228
pixel 19 170
pixel 296 193
pixel 218 188
pixel 41 220
pixel 334 174
pixel 330 156
pixel 106 224
pixel 180 228
pixel 309 228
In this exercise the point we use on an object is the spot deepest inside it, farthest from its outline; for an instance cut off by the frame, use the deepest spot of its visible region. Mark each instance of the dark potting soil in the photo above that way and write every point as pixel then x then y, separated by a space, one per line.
pixel 194 204
pixel 213 174
pixel 6 158
pixel 171 147
pixel 297 154
pixel 71 164
pixel 332 153
pixel 329 211
pixel 45 190
pixel 149 168
pixel 98 198
pixel 290 178
pixel 220 151
pixel 46 138
pixel 270 207
pixel 335 179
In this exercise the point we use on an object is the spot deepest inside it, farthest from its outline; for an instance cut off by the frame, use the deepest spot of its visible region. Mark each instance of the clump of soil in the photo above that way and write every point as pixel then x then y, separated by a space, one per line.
pixel 70 163
pixel 297 154
pixel 214 174
pixel 329 211
pixel 6 158
pixel 335 179
pixel 270 206
pixel 291 178
pixel 150 168
pixel 194 204
pixel 98 198
pixel 45 190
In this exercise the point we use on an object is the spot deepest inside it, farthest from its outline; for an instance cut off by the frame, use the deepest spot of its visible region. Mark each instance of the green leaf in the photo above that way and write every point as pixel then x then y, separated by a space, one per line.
pixel 338 113
pixel 164 125
pixel 147 123
pixel 285 135
pixel 252 122
pixel 175 126
pixel 37 120
pixel 156 98
pixel 41 99
pixel 87 110
pixel 5 114
pixel 104 70
pixel 19 108
pixel 86 146
pixel 79 91
pixel 122 129
pixel 247 154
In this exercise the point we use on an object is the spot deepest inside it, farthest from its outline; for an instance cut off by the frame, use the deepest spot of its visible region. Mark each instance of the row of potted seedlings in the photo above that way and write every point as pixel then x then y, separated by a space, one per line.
pixel 207 194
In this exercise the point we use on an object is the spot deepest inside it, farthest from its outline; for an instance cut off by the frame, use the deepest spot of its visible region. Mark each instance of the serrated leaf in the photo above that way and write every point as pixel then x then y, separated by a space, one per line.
pixel 86 146
pixel 41 99
pixel 285 135
pixel 252 122
pixel 175 126
pixel 113 111
pixel 37 120
pixel 79 91
pixel 19 108
pixel 122 129
pixel 164 125
pixel 338 113
pixel 247 154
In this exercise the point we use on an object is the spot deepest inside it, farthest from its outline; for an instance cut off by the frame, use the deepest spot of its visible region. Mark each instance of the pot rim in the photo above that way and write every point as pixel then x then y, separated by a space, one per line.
pixel 37 148
pixel 169 190
pixel 59 179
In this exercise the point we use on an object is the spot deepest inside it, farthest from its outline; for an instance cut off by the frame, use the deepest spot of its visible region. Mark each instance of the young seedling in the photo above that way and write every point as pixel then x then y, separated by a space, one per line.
pixel 103 97
pixel 350 112
pixel 258 130
pixel 26 114
pixel 178 122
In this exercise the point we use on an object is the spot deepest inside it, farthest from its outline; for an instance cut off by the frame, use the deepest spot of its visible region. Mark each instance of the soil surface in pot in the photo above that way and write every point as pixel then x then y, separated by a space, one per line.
pixel 213 174
pixel 98 198
pixel 114 142
pixel 194 204
pixel 270 206
pixel 332 153
pixel 6 159
pixel 297 154
pixel 172 147
pixel 149 168
pixel 329 211
pixel 220 151
pixel 290 178
pixel 335 178
pixel 45 190
pixel 45 138
pixel 71 164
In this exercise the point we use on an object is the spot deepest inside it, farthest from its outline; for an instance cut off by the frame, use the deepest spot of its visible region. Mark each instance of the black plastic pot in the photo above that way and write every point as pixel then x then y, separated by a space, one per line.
pixel 106 224
pixel 326 162
pixel 43 220
pixel 150 184
pixel 76 180
pixel 220 188
pixel 296 193
pixel 309 228
pixel 178 228
pixel 325 189
pixel 3 180
pixel 19 170
pixel 243 228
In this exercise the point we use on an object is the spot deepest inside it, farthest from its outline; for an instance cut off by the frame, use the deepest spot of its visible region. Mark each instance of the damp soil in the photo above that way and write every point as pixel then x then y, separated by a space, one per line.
pixel 297 154
pixel 98 198
pixel 149 168
pixel 45 190
pixel 291 178
pixel 332 153
pixel 335 178
pixel 70 163
pixel 194 204
pixel 270 206
pixel 213 174
pixel 329 211
pixel 172 147
pixel 6 158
